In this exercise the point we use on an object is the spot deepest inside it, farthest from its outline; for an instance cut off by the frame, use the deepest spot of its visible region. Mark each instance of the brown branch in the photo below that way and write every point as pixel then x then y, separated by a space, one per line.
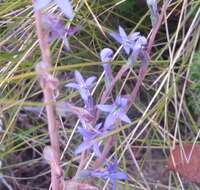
pixel 48 83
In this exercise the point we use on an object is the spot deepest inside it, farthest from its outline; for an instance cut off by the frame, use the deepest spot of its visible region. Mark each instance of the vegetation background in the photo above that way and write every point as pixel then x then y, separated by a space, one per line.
pixel 166 110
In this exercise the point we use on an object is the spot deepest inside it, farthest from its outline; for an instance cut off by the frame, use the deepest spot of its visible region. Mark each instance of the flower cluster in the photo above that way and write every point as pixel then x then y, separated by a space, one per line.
pixel 90 134
pixel 134 47
pixel 92 128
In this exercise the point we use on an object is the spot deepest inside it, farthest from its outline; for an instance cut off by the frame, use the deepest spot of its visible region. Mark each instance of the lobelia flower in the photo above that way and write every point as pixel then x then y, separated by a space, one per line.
pixel 152 4
pixel 138 46
pixel 106 55
pixel 57 29
pixel 111 173
pixel 133 43
pixel 117 110
pixel 64 5
pixel 89 140
pixel 124 39
pixel 83 86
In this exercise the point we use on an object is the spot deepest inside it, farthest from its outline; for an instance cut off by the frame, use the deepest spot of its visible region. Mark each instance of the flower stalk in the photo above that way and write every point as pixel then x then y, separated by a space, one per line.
pixel 48 84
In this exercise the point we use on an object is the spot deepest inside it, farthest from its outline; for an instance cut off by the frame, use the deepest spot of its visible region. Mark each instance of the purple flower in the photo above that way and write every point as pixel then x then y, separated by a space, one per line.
pixel 64 5
pixel 106 56
pixel 132 44
pixel 152 4
pixel 89 140
pixel 83 86
pixel 111 173
pixel 137 47
pixel 57 29
pixel 124 39
pixel 117 110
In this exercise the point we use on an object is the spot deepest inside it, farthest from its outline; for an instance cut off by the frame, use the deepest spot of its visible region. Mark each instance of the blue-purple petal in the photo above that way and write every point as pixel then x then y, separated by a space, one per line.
pixel 123 35
pixel 117 37
pixel 96 149
pixel 85 133
pixel 105 108
pixel 79 78
pixel 134 36
pixel 119 175
pixel 72 85
pixel 121 102
pixel 106 55
pixel 124 118
pixel 98 126
pixel 103 174
pixel 107 68
pixel 114 184
pixel 108 74
pixel 83 146
pixel 110 120
pixel 112 167
pixel 85 94
pixel 53 36
pixel 54 25
pixel 153 5
pixel 73 30
pixel 127 48
pixel 111 173
pixel 142 41
pixel 90 81
pixel 134 55
pixel 41 4
pixel 66 7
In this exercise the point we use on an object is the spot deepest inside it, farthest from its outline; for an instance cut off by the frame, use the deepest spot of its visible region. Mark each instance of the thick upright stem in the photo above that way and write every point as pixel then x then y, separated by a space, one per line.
pixel 49 101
